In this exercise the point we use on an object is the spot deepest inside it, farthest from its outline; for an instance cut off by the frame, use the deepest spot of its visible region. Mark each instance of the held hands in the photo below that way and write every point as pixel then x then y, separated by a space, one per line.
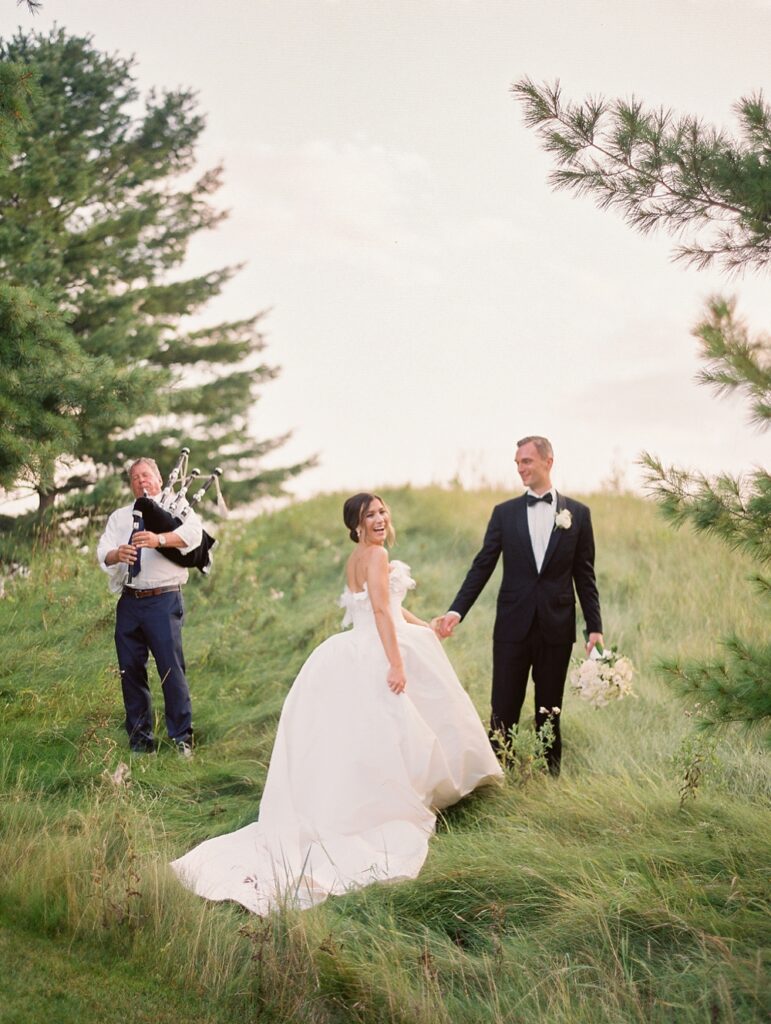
pixel 443 625
pixel 396 679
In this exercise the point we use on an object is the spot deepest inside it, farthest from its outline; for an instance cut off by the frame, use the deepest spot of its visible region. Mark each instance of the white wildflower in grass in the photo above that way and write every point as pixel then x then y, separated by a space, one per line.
pixel 121 776
pixel 603 677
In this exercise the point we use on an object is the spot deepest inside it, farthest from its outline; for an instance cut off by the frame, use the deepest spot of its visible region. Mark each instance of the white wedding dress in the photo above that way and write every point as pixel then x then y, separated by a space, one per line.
pixel 356 773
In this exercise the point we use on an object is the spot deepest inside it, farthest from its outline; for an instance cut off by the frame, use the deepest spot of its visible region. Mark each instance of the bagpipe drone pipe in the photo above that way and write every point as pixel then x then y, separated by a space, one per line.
pixel 171 509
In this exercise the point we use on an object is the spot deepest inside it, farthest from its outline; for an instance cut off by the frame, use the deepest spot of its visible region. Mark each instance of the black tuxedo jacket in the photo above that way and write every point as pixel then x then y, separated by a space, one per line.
pixel 569 561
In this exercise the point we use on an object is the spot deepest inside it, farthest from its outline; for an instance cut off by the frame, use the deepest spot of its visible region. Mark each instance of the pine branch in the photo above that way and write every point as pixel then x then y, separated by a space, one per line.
pixel 733 362
pixel 735 690
pixel 662 171
pixel 736 510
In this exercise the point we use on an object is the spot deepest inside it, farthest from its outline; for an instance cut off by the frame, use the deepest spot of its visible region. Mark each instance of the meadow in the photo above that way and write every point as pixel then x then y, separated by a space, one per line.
pixel 599 897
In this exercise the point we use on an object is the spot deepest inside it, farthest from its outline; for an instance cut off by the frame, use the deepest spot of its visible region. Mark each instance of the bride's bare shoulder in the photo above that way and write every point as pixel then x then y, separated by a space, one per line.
pixel 377 556
pixel 362 563
pixel 377 567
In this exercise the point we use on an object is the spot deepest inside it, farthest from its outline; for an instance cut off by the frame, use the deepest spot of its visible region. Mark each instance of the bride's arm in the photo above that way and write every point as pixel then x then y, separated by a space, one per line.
pixel 410 617
pixel 380 598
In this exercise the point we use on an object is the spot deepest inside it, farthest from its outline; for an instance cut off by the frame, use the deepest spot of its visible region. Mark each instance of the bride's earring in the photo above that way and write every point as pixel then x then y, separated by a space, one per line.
pixel 358 532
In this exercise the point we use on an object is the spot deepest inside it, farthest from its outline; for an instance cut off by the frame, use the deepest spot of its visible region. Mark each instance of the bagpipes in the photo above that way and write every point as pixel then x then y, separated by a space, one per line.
pixel 171 509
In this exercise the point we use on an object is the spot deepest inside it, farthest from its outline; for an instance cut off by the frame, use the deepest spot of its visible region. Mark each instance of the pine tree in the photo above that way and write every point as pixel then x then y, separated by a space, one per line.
pixel 715 192
pixel 47 384
pixel 49 389
pixel 96 214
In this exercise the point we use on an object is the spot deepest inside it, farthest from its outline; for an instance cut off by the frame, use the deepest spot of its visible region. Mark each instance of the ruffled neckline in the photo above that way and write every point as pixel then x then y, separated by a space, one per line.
pixel 398 572
pixel 399 580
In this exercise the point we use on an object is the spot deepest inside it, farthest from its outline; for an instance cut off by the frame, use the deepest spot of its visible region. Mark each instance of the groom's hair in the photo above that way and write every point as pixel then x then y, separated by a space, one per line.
pixel 542 445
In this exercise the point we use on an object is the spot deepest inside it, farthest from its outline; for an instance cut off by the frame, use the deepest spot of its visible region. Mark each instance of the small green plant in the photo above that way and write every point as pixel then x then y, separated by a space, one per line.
pixel 522 752
pixel 695 760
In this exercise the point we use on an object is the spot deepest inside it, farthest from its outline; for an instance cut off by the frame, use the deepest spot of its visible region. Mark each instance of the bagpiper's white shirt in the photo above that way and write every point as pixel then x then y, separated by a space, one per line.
pixel 156 570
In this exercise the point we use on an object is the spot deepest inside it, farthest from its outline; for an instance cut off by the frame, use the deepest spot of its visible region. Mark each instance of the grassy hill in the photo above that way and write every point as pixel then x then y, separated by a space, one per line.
pixel 593 898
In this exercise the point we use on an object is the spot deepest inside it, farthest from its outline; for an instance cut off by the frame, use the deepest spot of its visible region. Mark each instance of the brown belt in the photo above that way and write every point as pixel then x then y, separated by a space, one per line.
pixel 153 592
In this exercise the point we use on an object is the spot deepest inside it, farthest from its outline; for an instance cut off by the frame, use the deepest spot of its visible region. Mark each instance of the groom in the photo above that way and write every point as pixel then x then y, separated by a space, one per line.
pixel 548 548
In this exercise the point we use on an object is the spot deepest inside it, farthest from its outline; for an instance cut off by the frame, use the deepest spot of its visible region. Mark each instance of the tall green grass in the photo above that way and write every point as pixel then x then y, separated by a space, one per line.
pixel 590 899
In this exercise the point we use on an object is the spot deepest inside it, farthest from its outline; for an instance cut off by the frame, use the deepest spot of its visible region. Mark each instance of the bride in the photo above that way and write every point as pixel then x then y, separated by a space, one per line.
pixel 375 735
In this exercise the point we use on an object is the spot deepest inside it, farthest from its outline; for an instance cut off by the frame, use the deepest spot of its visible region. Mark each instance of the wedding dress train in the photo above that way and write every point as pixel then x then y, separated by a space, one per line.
pixel 356 772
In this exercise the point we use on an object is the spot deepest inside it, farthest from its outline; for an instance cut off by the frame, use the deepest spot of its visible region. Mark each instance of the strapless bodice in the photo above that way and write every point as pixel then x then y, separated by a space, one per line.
pixel 357 605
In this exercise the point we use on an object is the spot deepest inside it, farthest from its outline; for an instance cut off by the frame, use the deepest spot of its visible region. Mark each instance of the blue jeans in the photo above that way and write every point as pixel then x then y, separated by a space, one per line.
pixel 153 624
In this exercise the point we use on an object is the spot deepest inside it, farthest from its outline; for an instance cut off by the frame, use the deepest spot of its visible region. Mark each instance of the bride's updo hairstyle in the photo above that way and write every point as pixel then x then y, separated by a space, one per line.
pixel 353 513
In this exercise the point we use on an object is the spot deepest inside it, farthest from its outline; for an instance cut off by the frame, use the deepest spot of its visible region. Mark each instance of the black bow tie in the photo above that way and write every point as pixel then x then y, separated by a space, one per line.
pixel 533 499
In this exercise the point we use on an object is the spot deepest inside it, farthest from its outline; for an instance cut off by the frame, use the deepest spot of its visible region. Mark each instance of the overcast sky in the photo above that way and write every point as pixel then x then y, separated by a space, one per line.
pixel 431 298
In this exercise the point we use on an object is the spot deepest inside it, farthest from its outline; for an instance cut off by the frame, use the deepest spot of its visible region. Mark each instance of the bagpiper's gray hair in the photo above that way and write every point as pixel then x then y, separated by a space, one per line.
pixel 147 462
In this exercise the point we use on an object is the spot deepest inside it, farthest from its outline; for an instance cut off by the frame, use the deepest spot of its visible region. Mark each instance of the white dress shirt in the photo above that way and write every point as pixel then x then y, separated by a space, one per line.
pixel 540 523
pixel 156 570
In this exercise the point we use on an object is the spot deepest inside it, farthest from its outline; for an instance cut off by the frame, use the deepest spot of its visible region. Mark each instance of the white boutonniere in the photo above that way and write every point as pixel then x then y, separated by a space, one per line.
pixel 563 520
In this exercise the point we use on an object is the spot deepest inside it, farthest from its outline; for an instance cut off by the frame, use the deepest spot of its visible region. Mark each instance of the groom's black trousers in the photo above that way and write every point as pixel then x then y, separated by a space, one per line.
pixel 512 663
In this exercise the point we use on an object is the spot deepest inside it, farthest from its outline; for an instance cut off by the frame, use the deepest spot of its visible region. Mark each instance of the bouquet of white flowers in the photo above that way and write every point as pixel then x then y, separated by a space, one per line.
pixel 604 676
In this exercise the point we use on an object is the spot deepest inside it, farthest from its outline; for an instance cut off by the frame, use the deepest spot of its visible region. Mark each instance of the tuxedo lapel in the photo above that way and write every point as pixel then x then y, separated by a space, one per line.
pixel 556 534
pixel 520 518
